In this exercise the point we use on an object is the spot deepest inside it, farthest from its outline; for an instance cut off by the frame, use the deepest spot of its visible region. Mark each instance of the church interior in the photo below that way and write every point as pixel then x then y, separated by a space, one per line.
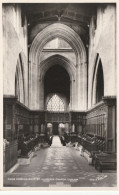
pixel 59 95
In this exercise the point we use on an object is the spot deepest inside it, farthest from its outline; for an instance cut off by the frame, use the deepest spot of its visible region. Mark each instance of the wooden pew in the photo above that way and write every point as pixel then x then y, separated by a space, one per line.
pixel 106 161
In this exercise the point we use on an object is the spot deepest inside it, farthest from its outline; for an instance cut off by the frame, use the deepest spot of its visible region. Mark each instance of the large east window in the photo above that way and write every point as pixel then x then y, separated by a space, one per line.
pixel 55 104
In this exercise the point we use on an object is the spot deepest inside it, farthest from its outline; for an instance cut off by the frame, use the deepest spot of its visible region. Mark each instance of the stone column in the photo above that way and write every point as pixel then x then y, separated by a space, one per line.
pixel 33 88
pixel 41 94
pixel 85 86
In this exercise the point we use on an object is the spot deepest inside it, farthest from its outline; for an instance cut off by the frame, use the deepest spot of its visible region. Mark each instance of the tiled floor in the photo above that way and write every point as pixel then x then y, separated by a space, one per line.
pixel 59 166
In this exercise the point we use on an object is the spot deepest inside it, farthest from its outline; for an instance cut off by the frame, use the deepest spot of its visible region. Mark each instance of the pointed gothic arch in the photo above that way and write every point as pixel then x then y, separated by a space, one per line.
pixel 67 65
pixel 98 81
pixel 35 66
pixel 62 31
pixel 19 81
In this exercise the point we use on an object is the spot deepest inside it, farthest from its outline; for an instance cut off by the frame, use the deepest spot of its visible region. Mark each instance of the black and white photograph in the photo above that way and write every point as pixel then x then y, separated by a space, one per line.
pixel 59 95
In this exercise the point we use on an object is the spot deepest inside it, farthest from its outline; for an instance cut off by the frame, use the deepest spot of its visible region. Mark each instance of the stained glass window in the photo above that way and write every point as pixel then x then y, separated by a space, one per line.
pixel 55 104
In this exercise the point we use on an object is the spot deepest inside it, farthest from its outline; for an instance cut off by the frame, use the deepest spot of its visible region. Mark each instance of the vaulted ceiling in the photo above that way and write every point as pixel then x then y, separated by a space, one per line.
pixel 75 15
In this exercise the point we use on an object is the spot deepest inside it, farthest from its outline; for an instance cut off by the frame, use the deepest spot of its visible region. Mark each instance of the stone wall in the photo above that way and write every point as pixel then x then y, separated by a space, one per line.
pixel 65 53
pixel 14 44
pixel 102 42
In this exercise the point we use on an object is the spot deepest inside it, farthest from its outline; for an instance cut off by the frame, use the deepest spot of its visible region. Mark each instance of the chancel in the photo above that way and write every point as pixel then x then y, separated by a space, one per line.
pixel 59 66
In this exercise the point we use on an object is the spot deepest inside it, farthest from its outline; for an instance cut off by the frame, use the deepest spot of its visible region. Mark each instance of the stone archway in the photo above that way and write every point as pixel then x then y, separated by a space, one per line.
pixel 77 72
pixel 19 82
pixel 61 31
pixel 98 83
pixel 68 66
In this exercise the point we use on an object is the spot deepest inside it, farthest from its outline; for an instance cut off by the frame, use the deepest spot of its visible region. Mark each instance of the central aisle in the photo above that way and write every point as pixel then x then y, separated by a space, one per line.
pixel 56 141
pixel 58 166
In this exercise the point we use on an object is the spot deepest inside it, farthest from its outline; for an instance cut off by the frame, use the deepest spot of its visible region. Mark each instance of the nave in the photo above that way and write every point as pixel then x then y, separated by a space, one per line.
pixel 59 166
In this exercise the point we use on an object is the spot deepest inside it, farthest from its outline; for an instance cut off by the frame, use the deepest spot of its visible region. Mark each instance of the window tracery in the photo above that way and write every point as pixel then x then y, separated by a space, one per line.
pixel 55 104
